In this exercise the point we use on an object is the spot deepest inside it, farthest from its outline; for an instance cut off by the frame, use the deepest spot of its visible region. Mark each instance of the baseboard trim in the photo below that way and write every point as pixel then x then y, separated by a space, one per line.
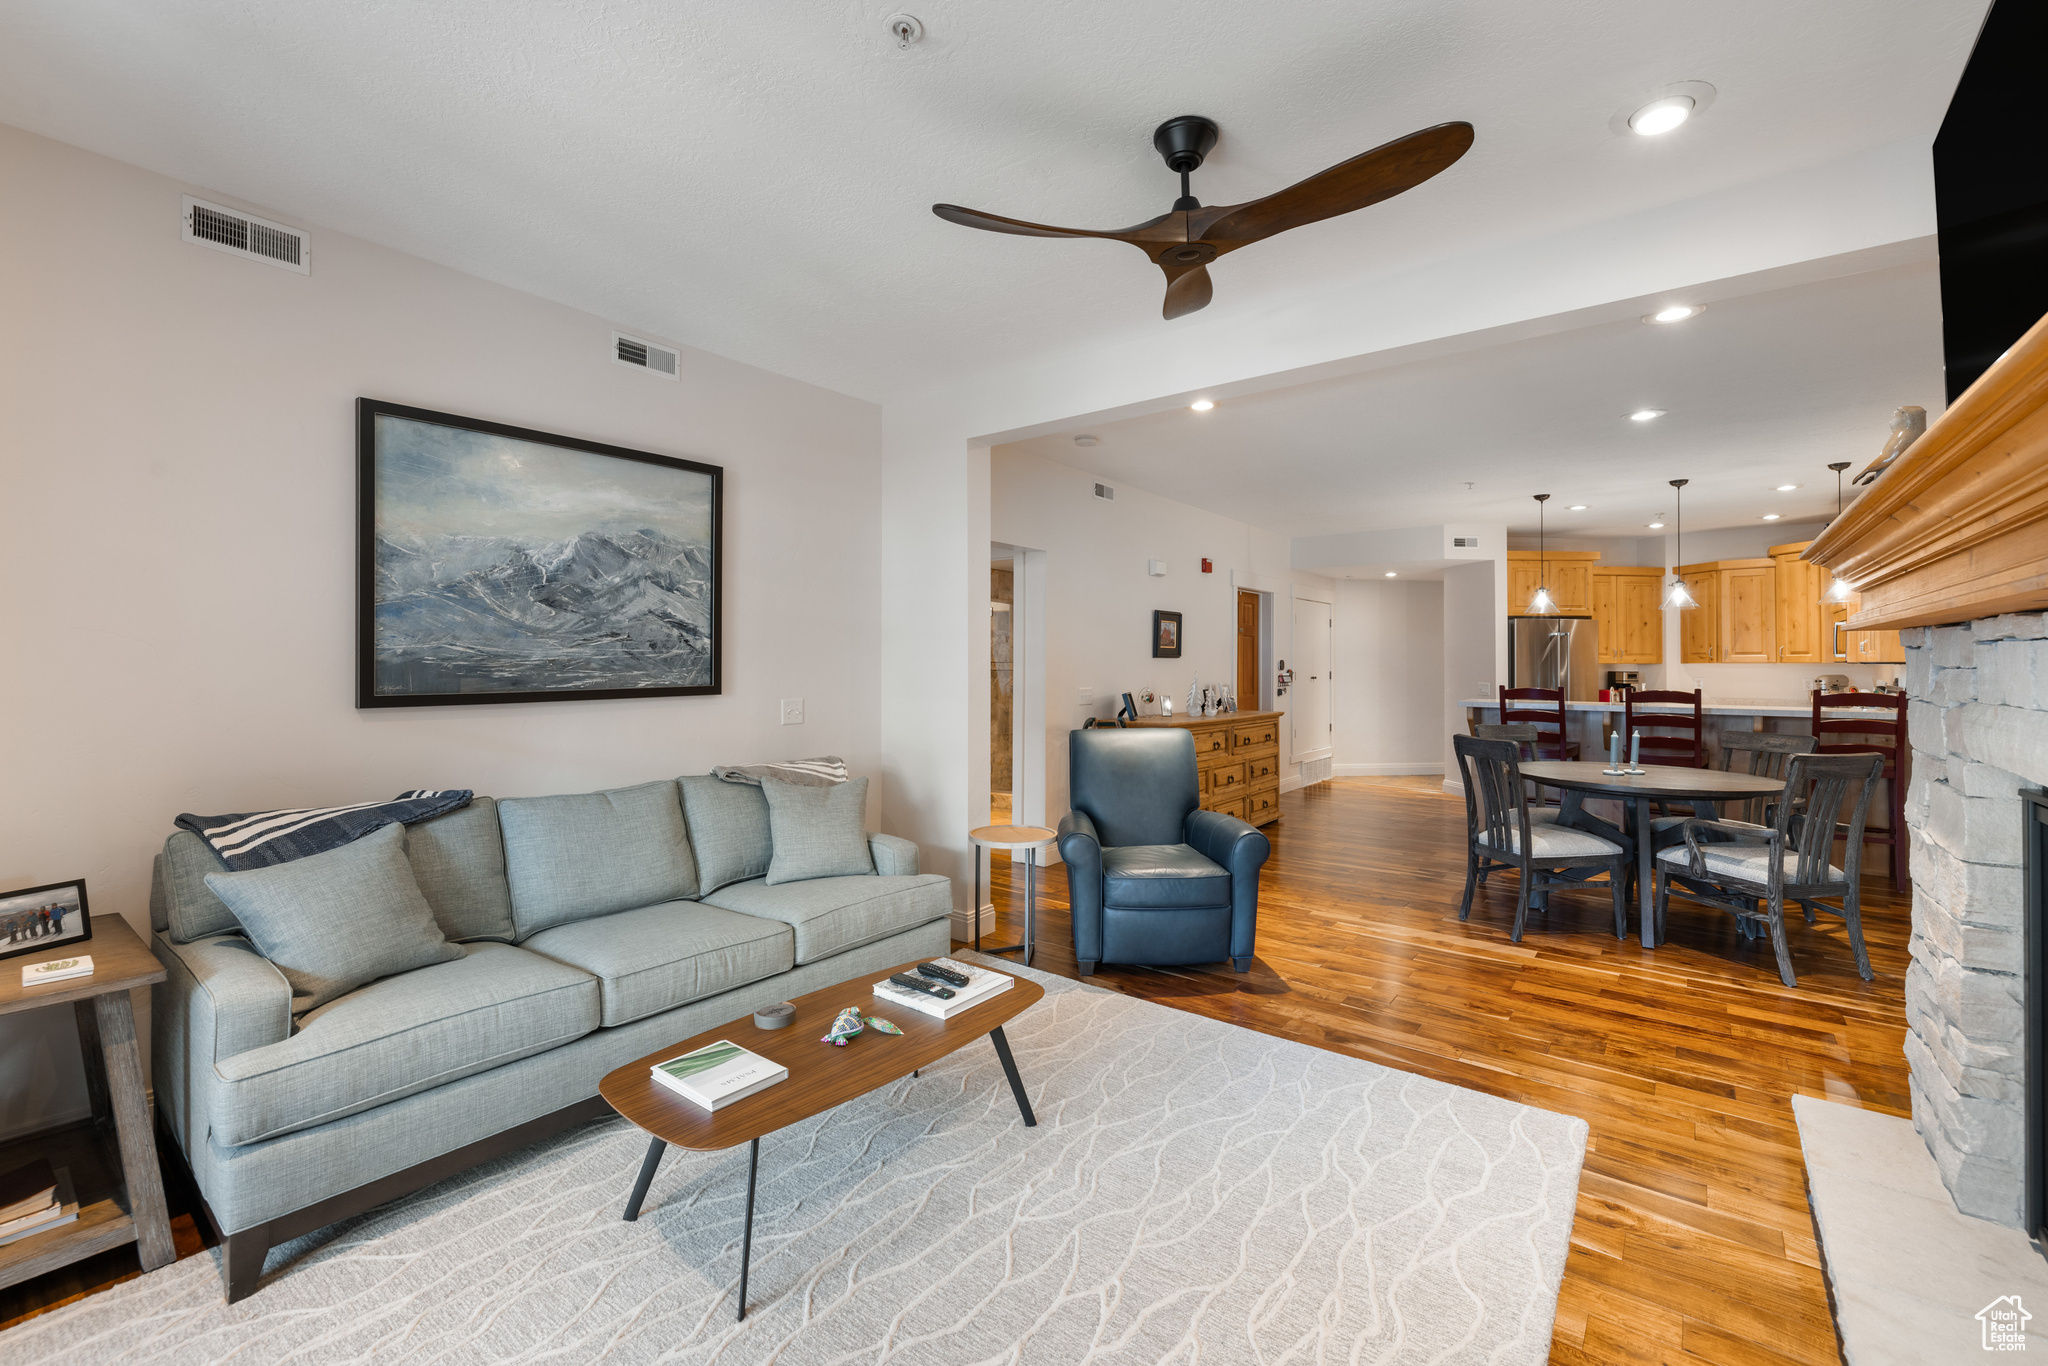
pixel 963 923
pixel 1383 770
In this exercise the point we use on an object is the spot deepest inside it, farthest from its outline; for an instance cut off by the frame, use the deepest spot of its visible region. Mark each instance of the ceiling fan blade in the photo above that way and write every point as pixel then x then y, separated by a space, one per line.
pixel 990 222
pixel 1367 178
pixel 1186 292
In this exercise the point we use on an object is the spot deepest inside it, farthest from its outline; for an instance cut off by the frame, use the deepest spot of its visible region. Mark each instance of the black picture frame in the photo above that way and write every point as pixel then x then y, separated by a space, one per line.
pixel 1166 635
pixel 17 941
pixel 374 675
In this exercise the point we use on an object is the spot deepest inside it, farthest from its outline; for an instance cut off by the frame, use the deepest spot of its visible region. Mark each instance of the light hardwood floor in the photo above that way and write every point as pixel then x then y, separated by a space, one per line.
pixel 1693 1241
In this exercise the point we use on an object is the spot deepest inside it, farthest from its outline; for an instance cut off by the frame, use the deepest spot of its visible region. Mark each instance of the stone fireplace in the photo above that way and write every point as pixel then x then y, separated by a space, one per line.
pixel 1978 717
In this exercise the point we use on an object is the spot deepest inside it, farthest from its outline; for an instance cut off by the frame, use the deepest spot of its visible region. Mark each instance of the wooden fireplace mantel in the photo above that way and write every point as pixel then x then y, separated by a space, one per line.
pixel 1957 528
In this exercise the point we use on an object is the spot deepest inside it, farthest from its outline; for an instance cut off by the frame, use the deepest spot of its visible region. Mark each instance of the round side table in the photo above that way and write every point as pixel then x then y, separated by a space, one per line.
pixel 1030 839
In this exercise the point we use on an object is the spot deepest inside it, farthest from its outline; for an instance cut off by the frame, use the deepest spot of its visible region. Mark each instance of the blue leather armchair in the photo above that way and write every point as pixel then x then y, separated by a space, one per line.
pixel 1154 879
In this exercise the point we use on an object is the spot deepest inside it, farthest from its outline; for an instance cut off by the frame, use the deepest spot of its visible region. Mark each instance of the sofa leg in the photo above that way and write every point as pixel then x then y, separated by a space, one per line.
pixel 241 1261
pixel 1241 964
pixel 1087 967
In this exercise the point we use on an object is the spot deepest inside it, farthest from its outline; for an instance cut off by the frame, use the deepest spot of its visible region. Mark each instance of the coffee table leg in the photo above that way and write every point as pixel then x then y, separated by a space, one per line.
pixel 655 1148
pixel 995 1036
pixel 1645 869
pixel 747 1240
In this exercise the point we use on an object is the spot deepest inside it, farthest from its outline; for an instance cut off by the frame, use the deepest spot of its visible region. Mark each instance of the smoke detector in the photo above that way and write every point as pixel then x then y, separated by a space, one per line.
pixel 906 29
pixel 1086 440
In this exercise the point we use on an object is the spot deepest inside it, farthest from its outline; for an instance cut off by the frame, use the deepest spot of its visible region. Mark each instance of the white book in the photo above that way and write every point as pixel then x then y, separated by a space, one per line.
pixel 64 1211
pixel 981 984
pixel 56 970
pixel 718 1074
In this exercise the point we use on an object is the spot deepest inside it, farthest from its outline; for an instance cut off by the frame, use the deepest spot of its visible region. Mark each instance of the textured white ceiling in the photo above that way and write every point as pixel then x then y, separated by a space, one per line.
pixel 756 179
pixel 1758 391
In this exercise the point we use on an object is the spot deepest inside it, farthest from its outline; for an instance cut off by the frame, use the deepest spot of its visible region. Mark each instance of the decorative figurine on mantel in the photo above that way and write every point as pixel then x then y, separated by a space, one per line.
pixel 1195 697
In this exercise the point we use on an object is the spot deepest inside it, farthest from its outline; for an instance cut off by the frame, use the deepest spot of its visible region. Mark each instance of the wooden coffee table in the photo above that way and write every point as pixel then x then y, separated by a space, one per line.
pixel 820 1076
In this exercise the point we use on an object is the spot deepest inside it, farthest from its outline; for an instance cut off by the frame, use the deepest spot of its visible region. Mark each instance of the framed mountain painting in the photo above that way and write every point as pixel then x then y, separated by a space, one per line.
pixel 497 564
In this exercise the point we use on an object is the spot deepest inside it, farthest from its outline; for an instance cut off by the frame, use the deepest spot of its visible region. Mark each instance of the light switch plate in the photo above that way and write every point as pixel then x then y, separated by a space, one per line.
pixel 1087 697
pixel 792 711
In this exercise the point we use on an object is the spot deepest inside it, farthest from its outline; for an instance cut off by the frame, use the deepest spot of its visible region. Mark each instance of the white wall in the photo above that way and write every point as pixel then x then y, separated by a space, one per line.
pixel 1099 599
pixel 1475 647
pixel 1387 657
pixel 177 538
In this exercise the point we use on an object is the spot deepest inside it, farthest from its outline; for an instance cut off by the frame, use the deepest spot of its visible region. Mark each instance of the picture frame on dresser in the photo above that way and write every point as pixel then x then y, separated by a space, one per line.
pixel 1166 635
pixel 497 563
pixel 50 919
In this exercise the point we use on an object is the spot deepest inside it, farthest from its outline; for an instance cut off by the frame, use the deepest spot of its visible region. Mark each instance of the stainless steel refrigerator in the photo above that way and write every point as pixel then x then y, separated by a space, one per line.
pixel 1555 652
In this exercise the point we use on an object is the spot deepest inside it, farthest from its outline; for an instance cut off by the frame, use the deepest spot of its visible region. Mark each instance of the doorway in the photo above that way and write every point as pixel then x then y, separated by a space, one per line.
pixel 1248 670
pixel 1311 726
pixel 1002 690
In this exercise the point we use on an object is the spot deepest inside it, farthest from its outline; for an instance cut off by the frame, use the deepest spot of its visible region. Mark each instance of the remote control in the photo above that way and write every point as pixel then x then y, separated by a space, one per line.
pixel 904 979
pixel 939 973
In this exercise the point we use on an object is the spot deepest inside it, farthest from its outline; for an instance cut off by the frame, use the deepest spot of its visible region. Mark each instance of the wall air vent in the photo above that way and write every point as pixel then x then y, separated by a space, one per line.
pixel 1104 491
pixel 241 234
pixel 644 354
pixel 1465 542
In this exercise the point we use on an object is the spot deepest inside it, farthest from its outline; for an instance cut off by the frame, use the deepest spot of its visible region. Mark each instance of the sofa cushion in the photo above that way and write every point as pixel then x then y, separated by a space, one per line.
pixel 459 861
pixel 336 921
pixel 191 910
pixel 594 853
pixel 403 1034
pixel 659 957
pixel 833 914
pixel 728 830
pixel 817 831
pixel 1161 876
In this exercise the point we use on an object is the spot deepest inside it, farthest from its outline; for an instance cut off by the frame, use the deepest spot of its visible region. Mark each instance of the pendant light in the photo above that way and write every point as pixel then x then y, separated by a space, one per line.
pixel 1541 604
pixel 1678 595
pixel 1839 589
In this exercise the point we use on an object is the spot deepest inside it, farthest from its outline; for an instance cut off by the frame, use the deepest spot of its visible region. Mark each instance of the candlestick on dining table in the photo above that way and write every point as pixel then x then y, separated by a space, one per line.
pixel 1635 749
pixel 1614 749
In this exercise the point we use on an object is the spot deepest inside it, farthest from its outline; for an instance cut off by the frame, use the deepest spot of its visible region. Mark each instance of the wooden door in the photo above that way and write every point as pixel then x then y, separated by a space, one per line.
pixel 1699 629
pixel 1607 617
pixel 1639 604
pixel 1800 584
pixel 1310 727
pixel 1749 615
pixel 1571 583
pixel 1248 693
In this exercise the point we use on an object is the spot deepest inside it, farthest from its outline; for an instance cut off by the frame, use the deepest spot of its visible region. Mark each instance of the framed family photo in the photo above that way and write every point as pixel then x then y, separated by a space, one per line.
pixel 1166 635
pixel 500 564
pixel 50 919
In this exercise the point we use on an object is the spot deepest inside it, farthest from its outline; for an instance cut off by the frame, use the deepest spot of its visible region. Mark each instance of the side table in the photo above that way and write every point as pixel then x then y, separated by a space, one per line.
pixel 113 1080
pixel 1030 839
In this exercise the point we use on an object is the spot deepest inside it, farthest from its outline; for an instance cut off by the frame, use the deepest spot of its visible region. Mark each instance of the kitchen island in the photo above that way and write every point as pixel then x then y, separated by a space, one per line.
pixel 1589 722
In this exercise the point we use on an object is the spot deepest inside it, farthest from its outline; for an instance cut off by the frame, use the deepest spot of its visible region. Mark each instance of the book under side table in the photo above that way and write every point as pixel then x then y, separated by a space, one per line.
pixel 113 1082
pixel 820 1076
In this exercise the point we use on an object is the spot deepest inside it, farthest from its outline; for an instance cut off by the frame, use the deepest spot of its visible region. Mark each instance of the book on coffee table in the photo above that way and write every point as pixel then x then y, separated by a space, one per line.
pixel 981 984
pixel 718 1074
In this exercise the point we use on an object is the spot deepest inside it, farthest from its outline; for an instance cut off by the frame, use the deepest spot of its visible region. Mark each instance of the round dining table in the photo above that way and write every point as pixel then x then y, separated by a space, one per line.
pixel 1697 788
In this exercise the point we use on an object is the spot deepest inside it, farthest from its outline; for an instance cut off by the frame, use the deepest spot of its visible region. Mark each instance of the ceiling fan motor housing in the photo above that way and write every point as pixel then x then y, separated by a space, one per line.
pixel 1185 141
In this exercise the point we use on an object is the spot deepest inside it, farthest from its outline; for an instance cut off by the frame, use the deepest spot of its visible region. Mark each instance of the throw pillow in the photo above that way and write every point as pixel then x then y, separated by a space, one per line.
pixel 728 829
pixel 593 853
pixel 336 921
pixel 818 831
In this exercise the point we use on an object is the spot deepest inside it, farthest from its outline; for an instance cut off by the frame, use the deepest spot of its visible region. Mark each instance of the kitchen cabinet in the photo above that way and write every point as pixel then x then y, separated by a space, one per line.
pixel 1570 573
pixel 1627 608
pixel 1737 619
pixel 1804 632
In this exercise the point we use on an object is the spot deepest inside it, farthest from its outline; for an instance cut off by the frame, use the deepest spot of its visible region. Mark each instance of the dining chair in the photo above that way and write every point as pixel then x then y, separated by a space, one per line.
pixel 1885 736
pixel 1686 749
pixel 1501 833
pixel 1524 737
pixel 1752 870
pixel 1757 753
pixel 1542 708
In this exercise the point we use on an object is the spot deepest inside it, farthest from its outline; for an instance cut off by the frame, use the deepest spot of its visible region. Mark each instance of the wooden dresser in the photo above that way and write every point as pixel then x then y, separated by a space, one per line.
pixel 1239 759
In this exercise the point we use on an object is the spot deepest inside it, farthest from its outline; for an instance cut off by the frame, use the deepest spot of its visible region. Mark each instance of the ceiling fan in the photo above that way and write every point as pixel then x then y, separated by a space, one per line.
pixel 1186 238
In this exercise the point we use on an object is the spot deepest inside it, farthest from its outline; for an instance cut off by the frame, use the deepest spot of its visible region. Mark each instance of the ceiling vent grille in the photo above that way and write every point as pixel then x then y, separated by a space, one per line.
pixel 1105 492
pixel 644 355
pixel 241 234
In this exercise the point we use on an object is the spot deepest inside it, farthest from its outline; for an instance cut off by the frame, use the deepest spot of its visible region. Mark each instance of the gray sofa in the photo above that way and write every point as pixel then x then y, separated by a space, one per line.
pixel 595 928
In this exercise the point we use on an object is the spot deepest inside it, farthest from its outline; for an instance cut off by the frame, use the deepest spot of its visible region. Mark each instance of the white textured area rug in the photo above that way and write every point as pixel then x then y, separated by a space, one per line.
pixel 1193 1192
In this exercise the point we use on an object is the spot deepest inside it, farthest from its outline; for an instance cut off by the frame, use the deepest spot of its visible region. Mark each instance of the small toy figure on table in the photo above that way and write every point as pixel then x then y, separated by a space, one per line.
pixel 843 1028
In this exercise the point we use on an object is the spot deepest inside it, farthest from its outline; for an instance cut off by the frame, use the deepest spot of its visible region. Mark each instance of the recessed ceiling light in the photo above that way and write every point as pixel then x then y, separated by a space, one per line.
pixel 1656 526
pixel 1770 516
pixel 1202 405
pixel 1392 575
pixel 1677 313
pixel 1578 507
pixel 1661 116
pixel 1787 488
pixel 1646 415
pixel 1086 440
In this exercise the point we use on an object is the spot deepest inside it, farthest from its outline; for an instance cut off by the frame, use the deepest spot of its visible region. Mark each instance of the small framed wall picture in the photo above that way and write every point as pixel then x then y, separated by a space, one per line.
pixel 48 920
pixel 1166 635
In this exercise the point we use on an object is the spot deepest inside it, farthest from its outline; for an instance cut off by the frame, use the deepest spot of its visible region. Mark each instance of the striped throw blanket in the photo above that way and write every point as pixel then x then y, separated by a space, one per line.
pixel 805 772
pixel 261 838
